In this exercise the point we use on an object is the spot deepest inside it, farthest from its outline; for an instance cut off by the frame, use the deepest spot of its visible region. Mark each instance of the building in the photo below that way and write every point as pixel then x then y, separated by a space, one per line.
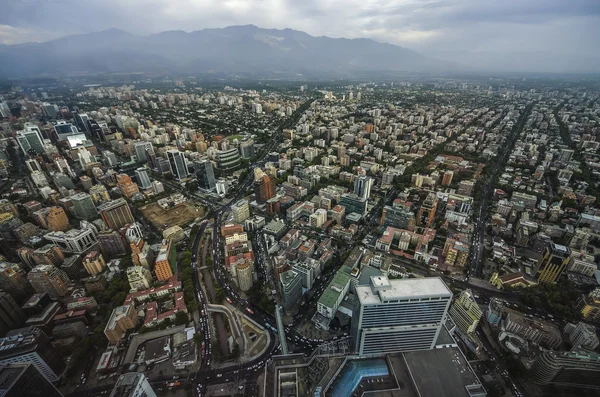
pixel 244 276
pixel 228 159
pixel 532 329
pixel 205 174
pixel 409 312
pixel 291 289
pixel 49 279
pixel 334 294
pixel 397 217
pixel 427 211
pixel 99 194
pixel 126 185
pixel 582 263
pixel 178 164
pixel 141 254
pixel 109 159
pixel 116 214
pixel 353 203
pixel 247 149
pixel 264 186
pixel 551 265
pixel 166 261
pixel 83 206
pixel 174 233
pixel 122 318
pixel 240 211
pixel 142 149
pixel 362 186
pixel 112 244
pixel 466 187
pixel 11 315
pixel 12 279
pixel 30 139
pixel 582 336
pixel 465 312
pixel 133 384
pixel 139 278
pixel 318 218
pixel 94 263
pixel 24 379
pixel 447 178
pixel 75 241
pixel 576 368
pixel 143 178
pixel 494 312
pixel 57 220
pixel 32 346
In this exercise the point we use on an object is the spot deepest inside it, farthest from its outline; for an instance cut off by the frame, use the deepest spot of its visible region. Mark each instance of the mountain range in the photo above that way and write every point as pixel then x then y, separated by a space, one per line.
pixel 234 50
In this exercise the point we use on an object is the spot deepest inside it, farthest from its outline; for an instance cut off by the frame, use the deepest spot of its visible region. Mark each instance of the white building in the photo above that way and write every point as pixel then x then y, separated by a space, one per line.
pixel 39 179
pixel 139 278
pixel 157 187
pixel 399 315
pixel 582 335
pixel 318 218
pixel 143 179
pixel 73 241
pixel 240 211
pixel 132 384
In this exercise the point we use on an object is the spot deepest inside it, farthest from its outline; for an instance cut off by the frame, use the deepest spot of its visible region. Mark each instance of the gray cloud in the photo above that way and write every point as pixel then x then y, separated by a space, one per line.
pixel 424 25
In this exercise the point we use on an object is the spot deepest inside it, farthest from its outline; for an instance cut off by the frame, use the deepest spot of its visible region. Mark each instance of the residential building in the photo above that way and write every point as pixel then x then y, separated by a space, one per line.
pixel 127 186
pixel 244 276
pixel 22 379
pixel 178 164
pixel 291 289
pixel 49 279
pixel 122 318
pixel 141 254
pixel 83 206
pixel 447 178
pixel 427 210
pixel 318 218
pixel 57 220
pixel 99 194
pixel 166 261
pixel 112 244
pixel 116 214
pixel 13 279
pixel 589 305
pixel 133 384
pixel 410 312
pixel 247 149
pixel 240 211
pixel 582 263
pixel 93 262
pixel 551 265
pixel 465 312
pixel 139 278
pixel 264 186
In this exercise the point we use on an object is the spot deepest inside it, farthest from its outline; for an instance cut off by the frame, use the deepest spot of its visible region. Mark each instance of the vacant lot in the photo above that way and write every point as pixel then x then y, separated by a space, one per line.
pixel 179 215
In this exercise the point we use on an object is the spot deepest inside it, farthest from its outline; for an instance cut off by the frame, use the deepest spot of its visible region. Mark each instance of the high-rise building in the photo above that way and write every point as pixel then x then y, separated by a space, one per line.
pixel 166 261
pixel 62 130
pixel 143 178
pixel 49 279
pixel 111 243
pixel 163 166
pixel 205 174
pixel 141 254
pixel 121 319
pixel 57 220
pixel 142 149
pixel 83 206
pixel 582 336
pixel 447 178
pixel 139 278
pixel 291 289
pixel 247 149
pixel 362 186
pixel 109 159
pixel 93 262
pixel 24 379
pixel 31 139
pixel 399 315
pixel 133 384
pixel 264 186
pixel 427 211
pixel 240 211
pixel 32 346
pixel 75 241
pixel 398 217
pixel 228 159
pixel 13 279
pixel 178 164
pixel 353 203
pixel 11 315
pixel 83 123
pixel 115 214
pixel 244 276
pixel 127 186
pixel 551 265
pixel 574 368
pixel 466 312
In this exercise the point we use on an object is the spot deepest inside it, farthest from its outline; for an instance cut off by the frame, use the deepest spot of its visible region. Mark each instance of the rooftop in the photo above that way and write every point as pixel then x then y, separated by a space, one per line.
pixel 402 289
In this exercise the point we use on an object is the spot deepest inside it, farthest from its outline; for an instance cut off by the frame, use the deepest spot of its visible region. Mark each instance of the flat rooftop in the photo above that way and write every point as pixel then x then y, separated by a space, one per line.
pixel 407 288
pixel 440 372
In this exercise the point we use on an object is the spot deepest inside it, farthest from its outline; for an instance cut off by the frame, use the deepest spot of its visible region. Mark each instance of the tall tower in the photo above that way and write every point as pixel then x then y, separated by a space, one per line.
pixel 362 186
pixel 178 165
pixel 264 186
pixel 551 265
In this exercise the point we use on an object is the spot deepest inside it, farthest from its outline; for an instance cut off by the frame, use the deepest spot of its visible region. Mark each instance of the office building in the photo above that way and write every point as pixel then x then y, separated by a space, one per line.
pixel 75 241
pixel 133 384
pixel 112 244
pixel 166 261
pixel 33 165
pixel 48 255
pixel 121 319
pixel 427 210
pixel 465 312
pixel 399 315
pixel 247 149
pixel 353 203
pixel 178 164
pixel 11 315
pixel 334 294
pixel 32 346
pixel 551 265
pixel 116 213
pixel 143 178
pixel 163 166
pixel 30 139
pixel 142 149
pixel 264 186
pixel 139 277
pixel 240 211
pixel 83 206
pixel 50 280
pixel 582 336
pixel 109 159
pixel 291 289
pixel 25 380
pixel 398 217
pixel 205 174
pixel 39 179
pixel 127 186
pixel 576 368
pixel 362 186
pixel 57 220
pixel 93 262
pixel 228 159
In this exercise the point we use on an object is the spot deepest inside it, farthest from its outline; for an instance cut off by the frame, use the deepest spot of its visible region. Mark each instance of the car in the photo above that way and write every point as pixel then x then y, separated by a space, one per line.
pixel 219 375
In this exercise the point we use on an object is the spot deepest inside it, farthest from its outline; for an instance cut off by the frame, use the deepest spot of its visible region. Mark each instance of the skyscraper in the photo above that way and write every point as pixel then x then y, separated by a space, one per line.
pixel 264 186
pixel 551 265
pixel 116 213
pixel 31 139
pixel 466 312
pixel 399 315
pixel 142 149
pixel 573 368
pixel 143 178
pixel 247 149
pixel 49 279
pixel 24 379
pixel 11 315
pixel 362 186
pixel 205 174
pixel 291 288
pixel 178 165
pixel 84 207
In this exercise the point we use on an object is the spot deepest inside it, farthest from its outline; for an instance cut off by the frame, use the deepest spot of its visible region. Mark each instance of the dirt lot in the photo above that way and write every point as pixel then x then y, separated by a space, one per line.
pixel 179 215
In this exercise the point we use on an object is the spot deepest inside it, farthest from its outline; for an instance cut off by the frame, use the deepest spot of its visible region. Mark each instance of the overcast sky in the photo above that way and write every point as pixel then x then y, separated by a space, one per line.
pixel 571 26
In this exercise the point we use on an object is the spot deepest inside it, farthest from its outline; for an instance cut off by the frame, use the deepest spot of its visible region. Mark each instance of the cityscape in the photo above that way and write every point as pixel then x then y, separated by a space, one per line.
pixel 283 217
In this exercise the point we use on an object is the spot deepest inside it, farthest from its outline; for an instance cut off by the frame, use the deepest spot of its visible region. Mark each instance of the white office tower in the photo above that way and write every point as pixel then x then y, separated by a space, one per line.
pixel 362 186
pixel 133 384
pixel 399 315
pixel 143 178
pixel 31 139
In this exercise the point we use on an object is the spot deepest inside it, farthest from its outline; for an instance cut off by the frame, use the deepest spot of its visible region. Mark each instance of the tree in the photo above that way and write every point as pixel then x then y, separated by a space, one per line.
pixel 181 318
